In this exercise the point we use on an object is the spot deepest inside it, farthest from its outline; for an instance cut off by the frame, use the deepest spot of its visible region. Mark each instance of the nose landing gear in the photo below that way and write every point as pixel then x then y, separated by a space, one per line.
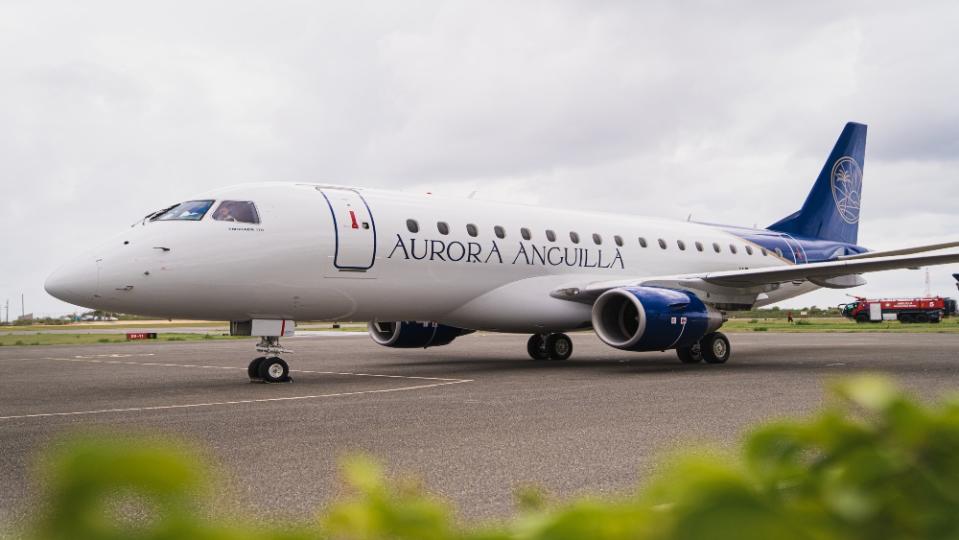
pixel 270 368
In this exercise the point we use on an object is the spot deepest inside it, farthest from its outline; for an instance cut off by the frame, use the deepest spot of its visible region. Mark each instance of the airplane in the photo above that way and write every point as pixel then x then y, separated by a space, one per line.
pixel 425 269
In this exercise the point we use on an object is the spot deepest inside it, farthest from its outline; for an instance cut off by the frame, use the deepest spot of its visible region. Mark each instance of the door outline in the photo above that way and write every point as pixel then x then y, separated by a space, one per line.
pixel 336 231
pixel 796 247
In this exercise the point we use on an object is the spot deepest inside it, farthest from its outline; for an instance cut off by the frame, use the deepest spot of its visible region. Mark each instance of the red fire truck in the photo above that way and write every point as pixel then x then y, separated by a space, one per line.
pixel 907 310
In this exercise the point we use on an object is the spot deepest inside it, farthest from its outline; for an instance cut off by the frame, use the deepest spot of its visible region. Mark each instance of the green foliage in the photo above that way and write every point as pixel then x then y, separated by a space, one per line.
pixel 760 329
pixel 873 464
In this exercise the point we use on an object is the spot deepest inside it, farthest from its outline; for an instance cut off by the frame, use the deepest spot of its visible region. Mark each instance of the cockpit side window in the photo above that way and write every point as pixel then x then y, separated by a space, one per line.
pixel 186 211
pixel 238 211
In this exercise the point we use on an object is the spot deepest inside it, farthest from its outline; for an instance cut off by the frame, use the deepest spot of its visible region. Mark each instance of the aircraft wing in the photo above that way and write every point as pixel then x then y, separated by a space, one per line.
pixel 748 286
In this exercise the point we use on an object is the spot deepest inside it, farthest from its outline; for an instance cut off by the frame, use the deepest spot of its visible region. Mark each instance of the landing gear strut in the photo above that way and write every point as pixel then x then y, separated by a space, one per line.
pixel 713 348
pixel 549 347
pixel 270 368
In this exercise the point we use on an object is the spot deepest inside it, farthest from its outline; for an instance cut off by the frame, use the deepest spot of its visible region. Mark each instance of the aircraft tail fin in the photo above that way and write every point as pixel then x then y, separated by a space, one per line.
pixel 831 210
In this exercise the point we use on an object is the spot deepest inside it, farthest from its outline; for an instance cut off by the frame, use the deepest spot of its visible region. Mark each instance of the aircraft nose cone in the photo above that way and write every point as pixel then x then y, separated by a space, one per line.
pixel 75 282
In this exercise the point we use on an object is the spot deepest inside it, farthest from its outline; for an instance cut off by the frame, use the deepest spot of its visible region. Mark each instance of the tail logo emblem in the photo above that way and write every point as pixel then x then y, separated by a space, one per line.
pixel 846 179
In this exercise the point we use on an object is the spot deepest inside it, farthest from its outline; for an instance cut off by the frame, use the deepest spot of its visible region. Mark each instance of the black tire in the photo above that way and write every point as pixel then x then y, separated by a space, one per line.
pixel 559 346
pixel 715 348
pixel 253 370
pixel 922 317
pixel 536 347
pixel 274 370
pixel 862 317
pixel 690 355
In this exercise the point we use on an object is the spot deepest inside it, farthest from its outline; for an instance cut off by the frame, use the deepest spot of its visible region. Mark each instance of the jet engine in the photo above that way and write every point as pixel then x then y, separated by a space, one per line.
pixel 652 318
pixel 413 334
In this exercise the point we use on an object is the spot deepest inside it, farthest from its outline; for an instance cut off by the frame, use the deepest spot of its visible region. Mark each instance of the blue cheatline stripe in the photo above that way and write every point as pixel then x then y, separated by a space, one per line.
pixel 797 248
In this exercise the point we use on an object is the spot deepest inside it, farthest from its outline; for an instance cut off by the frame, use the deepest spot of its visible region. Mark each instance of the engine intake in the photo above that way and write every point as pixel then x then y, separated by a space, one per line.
pixel 413 334
pixel 652 318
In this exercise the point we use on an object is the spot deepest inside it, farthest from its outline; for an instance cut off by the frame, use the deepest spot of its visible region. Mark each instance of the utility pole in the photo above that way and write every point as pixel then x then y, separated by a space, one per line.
pixel 928 285
pixel 23 309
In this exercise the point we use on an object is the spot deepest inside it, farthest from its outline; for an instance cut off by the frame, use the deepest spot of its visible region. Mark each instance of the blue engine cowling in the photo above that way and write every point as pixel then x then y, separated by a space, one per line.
pixel 413 334
pixel 652 318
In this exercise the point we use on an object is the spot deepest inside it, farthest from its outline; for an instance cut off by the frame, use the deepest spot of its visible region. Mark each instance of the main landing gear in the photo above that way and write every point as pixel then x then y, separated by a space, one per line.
pixel 713 349
pixel 549 346
pixel 270 368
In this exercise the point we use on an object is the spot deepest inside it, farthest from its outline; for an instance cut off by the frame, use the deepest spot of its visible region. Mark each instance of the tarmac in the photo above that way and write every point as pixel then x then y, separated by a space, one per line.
pixel 474 420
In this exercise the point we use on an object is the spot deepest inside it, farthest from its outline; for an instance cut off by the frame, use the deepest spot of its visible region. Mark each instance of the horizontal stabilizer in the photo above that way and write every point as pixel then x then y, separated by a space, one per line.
pixel 901 251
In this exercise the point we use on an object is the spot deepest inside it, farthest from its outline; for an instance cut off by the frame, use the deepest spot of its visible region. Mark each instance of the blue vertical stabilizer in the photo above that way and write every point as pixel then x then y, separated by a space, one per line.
pixel 831 211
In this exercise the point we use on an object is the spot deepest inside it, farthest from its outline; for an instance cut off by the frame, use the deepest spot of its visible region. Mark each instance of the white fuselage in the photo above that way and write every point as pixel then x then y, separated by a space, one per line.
pixel 332 253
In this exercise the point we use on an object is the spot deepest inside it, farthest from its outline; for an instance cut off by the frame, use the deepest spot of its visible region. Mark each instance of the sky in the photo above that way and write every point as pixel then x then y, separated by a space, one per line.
pixel 724 111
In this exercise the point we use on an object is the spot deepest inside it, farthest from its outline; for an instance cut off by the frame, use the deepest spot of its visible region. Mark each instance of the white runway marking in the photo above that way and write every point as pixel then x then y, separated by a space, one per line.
pixel 113 359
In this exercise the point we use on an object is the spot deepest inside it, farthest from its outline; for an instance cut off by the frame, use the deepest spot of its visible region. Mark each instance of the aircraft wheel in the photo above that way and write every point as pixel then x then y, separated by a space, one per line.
pixel 536 347
pixel 254 368
pixel 715 348
pixel 559 346
pixel 274 370
pixel 690 355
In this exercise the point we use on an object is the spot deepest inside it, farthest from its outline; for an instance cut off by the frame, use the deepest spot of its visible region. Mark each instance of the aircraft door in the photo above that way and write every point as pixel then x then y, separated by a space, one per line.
pixel 354 230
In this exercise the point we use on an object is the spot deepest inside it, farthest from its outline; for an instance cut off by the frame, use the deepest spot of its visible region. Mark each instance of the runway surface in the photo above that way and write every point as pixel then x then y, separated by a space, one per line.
pixel 475 420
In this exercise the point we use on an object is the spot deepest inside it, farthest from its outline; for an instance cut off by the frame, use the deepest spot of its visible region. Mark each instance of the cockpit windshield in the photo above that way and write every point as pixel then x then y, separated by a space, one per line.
pixel 238 211
pixel 187 211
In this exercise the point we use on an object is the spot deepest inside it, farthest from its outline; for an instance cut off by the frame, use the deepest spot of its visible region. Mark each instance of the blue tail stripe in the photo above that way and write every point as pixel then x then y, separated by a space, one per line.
pixel 794 248
pixel 831 210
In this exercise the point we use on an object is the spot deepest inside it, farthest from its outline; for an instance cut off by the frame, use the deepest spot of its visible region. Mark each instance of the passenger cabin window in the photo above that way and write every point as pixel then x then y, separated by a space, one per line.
pixel 779 252
pixel 499 231
pixel 442 227
pixel 732 249
pixel 662 243
pixel 237 211
pixel 619 240
pixel 597 239
pixel 471 230
pixel 699 246
pixel 681 244
pixel 186 211
pixel 524 232
pixel 550 235
pixel 642 242
pixel 764 252
pixel 574 237
pixel 749 250
pixel 716 247
pixel 412 226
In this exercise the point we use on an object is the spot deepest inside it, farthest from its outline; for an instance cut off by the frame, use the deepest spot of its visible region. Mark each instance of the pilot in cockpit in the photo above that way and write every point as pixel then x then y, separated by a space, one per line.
pixel 223 213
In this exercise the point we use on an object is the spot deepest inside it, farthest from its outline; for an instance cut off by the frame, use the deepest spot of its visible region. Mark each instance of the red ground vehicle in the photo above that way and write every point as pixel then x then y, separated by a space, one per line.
pixel 907 310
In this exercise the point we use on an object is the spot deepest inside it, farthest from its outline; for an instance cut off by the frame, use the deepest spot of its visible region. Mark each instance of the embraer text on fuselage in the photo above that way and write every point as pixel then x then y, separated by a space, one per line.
pixel 527 253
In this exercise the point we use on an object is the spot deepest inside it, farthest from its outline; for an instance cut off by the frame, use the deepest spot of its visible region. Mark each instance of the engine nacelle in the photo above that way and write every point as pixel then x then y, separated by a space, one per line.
pixel 413 334
pixel 652 318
